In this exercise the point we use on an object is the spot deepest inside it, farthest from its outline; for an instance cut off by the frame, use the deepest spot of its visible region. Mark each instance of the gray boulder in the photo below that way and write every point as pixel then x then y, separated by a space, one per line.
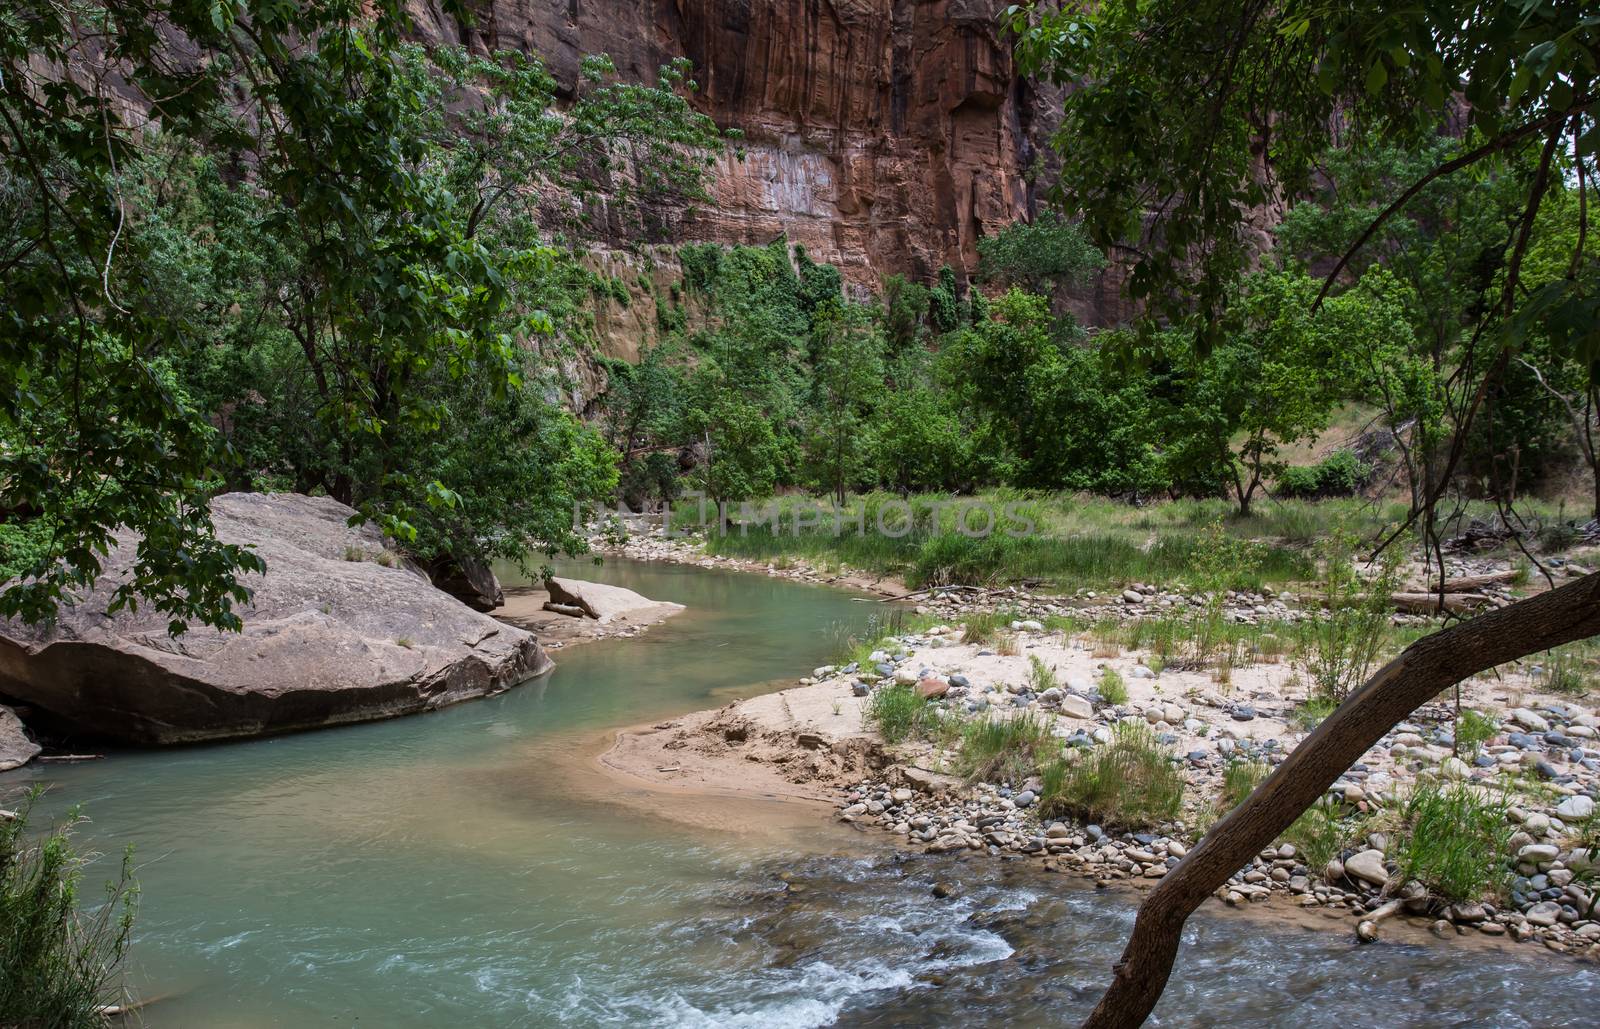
pixel 16 749
pixel 470 581
pixel 338 630
pixel 603 602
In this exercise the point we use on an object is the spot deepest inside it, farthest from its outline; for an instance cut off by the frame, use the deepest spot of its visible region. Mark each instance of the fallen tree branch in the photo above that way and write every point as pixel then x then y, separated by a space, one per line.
pixel 1367 931
pixel 1427 603
pixel 1421 672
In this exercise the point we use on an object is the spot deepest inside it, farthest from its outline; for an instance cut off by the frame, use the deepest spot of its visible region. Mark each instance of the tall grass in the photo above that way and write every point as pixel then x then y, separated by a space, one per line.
pixel 1129 782
pixel 1571 669
pixel 1473 730
pixel 1076 542
pixel 1112 689
pixel 996 749
pixel 59 963
pixel 983 628
pixel 1040 675
pixel 1239 780
pixel 898 712
pixel 1454 839
pixel 1316 836
pixel 1341 640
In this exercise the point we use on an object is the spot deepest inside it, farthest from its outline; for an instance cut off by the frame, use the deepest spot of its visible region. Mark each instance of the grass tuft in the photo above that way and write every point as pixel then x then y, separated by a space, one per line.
pixel 1454 840
pixel 898 712
pixel 1129 782
pixel 1112 688
pixel 996 749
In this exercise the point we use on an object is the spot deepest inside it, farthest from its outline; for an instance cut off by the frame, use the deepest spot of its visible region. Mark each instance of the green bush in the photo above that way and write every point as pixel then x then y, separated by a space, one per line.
pixel 1129 782
pixel 58 964
pixel 1342 474
pixel 1454 840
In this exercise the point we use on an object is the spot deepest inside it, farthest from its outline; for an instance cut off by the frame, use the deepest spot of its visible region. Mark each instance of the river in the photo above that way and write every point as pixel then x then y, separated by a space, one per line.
pixel 471 868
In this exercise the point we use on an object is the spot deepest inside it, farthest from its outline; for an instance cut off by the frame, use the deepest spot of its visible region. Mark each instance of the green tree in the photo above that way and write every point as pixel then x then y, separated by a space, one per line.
pixel 905 313
pixel 1263 389
pixel 1177 186
pixel 944 302
pixel 742 457
pixel 848 381
pixel 1039 255
pixel 363 247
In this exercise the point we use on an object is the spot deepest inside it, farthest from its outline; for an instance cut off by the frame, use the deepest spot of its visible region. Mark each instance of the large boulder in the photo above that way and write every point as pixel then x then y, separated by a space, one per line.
pixel 470 581
pixel 603 602
pixel 338 630
pixel 16 749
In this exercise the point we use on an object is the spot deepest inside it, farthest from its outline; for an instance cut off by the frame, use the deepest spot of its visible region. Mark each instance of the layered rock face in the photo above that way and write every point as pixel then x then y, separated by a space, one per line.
pixel 883 135
pixel 337 631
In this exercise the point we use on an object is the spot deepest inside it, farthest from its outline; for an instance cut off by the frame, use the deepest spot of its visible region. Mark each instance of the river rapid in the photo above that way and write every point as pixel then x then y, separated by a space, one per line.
pixel 472 867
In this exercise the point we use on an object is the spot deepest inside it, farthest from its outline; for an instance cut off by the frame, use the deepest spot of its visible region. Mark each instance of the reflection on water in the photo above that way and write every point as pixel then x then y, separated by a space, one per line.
pixel 460 868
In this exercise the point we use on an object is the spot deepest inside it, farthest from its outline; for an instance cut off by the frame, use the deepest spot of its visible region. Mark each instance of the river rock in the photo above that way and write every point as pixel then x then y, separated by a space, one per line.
pixel 1074 706
pixel 16 749
pixel 1529 719
pixel 602 602
pixel 1575 809
pixel 333 633
pixel 1368 866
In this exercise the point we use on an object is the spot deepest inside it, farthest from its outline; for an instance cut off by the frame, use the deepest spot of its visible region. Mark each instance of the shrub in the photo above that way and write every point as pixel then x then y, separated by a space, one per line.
pixel 1454 840
pixel 1112 689
pixel 1341 474
pixel 1341 639
pixel 897 710
pixel 1129 782
pixel 997 749
pixel 58 964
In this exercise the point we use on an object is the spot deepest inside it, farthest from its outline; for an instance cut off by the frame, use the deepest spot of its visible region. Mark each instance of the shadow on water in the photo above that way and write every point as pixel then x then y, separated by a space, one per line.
pixel 458 869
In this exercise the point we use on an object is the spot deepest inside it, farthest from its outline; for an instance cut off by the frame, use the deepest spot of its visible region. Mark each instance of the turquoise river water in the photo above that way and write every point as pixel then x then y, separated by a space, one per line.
pixel 472 868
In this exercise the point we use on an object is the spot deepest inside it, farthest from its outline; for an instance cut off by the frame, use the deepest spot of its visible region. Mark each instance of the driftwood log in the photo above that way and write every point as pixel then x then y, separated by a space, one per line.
pixel 1421 672
pixel 1426 603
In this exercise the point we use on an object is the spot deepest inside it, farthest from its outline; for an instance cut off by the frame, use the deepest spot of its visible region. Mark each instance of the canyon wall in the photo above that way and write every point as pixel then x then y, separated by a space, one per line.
pixel 883 135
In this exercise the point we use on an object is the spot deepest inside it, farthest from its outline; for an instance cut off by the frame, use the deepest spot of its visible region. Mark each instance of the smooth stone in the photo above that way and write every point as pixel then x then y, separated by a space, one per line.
pixel 1575 808
pixel 1368 866
pixel 1529 720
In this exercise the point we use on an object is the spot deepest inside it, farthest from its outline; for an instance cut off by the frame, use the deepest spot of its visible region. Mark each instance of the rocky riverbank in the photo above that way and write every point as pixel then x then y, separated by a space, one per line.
pixel 816 740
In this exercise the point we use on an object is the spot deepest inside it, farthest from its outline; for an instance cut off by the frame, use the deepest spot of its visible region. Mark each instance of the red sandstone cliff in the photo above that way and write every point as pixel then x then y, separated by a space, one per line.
pixel 884 135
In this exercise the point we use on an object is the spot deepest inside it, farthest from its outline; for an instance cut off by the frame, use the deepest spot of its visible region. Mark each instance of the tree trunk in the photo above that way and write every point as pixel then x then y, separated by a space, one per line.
pixel 1421 672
